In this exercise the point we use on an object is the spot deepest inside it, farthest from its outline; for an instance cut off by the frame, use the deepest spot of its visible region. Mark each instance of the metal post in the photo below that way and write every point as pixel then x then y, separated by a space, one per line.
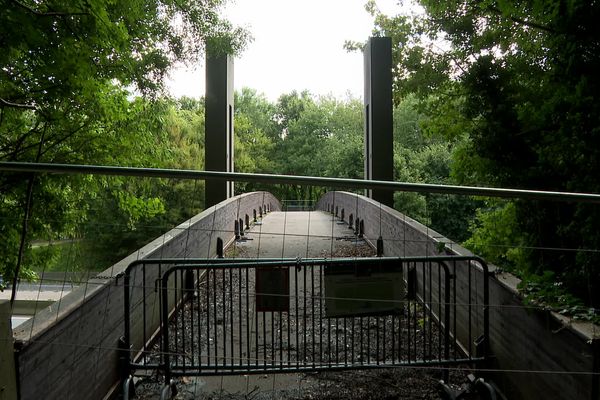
pixel 379 246
pixel 218 148
pixel 379 138
pixel 219 247
pixel 236 229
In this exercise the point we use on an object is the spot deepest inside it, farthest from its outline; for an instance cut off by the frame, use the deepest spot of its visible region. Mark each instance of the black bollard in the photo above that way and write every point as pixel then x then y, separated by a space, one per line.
pixel 361 230
pixel 241 223
pixel 254 214
pixel 247 222
pixel 236 228
pixel 336 211
pixel 350 221
pixel 379 246
pixel 343 216
pixel 189 281
pixel 219 247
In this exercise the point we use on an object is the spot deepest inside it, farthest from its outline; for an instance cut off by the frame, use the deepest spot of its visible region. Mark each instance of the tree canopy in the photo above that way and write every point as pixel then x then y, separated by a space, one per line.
pixel 518 82
pixel 68 72
pixel 488 93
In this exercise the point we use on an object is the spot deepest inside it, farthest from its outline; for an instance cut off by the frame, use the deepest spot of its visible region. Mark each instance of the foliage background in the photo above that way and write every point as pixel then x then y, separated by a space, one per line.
pixel 489 93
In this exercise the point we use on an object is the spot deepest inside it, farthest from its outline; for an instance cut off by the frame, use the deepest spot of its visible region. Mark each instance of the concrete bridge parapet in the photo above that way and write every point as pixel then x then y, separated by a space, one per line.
pixel 536 353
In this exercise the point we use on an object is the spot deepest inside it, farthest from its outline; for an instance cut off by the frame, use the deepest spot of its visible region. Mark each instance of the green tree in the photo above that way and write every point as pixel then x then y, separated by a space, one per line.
pixel 256 133
pixel 323 137
pixel 66 71
pixel 518 80
pixel 423 155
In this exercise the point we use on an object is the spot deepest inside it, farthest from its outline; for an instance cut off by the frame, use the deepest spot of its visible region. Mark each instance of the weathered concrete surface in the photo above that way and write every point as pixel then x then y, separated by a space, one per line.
pixel 8 382
pixel 293 234
pixel 69 350
pixel 544 355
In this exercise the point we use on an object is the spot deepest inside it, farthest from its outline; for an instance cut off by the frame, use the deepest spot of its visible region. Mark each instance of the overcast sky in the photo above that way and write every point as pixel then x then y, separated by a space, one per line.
pixel 297 45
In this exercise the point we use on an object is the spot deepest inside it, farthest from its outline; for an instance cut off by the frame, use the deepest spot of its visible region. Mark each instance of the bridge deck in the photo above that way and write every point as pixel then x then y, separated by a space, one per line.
pixel 297 234
pixel 278 235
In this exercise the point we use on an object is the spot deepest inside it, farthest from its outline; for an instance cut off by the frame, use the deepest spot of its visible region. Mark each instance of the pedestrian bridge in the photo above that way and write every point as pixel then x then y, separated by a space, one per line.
pixel 79 340
pixel 90 320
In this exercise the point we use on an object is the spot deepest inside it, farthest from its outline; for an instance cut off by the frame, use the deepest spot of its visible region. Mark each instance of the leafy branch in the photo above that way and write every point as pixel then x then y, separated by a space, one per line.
pixel 521 21
pixel 47 13
pixel 6 103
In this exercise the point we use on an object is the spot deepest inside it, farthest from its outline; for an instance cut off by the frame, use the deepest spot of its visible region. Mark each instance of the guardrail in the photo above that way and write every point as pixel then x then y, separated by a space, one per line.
pixel 299 180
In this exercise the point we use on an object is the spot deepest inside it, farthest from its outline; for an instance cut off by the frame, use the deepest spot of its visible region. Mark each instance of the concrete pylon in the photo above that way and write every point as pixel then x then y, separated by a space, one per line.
pixel 379 137
pixel 218 145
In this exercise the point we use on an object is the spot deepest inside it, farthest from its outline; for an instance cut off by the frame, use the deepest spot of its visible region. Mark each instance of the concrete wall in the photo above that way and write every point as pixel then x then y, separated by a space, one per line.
pixel 70 349
pixel 8 387
pixel 545 355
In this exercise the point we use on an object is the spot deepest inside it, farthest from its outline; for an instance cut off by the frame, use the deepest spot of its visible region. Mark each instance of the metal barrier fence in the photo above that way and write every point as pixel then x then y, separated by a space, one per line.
pixel 225 317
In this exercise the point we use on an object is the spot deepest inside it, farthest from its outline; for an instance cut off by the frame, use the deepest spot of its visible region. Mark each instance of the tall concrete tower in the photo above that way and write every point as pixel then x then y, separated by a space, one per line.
pixel 218 147
pixel 379 138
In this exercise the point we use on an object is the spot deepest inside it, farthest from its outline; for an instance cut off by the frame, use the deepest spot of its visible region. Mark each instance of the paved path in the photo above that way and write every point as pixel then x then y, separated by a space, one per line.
pixel 34 296
pixel 294 234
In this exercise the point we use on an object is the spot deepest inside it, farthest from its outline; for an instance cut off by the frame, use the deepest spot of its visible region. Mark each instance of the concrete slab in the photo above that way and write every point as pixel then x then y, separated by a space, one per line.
pixel 294 234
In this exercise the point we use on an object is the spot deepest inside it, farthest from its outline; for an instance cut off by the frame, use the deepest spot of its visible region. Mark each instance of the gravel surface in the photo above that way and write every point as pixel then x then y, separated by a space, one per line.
pixel 386 384
pixel 394 383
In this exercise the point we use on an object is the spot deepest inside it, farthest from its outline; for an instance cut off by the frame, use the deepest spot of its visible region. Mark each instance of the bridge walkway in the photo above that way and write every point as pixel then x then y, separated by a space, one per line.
pixel 279 234
pixel 296 234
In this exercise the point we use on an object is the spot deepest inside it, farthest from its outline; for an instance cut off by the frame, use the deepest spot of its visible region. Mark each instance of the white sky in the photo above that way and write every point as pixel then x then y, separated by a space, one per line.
pixel 297 45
